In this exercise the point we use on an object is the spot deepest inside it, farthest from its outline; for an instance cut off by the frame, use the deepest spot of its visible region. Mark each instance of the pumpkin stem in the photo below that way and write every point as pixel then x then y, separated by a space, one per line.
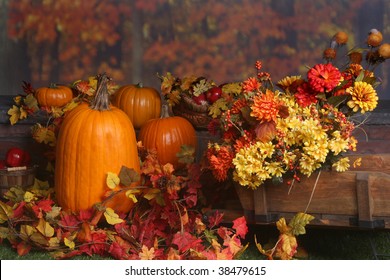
pixel 101 102
pixel 140 85
pixel 164 111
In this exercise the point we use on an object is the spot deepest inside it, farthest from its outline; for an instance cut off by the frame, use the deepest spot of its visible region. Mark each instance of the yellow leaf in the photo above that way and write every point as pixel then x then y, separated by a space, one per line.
pixel 146 254
pixel 54 242
pixel 282 226
pixel 131 194
pixel 31 102
pixel 287 246
pixel 53 214
pixel 43 135
pixel 69 243
pixel 14 113
pixel 45 228
pixel 70 106
pixel 217 107
pixel 18 100
pixel 38 184
pixel 26 231
pixel 111 217
pixel 151 193
pixel 28 196
pixel 5 212
pixel 112 180
pixel 357 162
pixel 56 112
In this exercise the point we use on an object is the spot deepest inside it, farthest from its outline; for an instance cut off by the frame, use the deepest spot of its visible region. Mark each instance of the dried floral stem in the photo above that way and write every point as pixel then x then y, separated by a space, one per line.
pixel 312 193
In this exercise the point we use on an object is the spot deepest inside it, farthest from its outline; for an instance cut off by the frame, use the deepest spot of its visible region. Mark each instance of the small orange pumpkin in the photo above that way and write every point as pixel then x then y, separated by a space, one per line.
pixel 53 96
pixel 138 102
pixel 166 135
pixel 94 139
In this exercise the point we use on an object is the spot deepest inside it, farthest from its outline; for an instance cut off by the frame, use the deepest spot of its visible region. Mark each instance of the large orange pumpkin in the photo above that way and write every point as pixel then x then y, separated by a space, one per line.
pixel 94 139
pixel 138 102
pixel 166 135
pixel 53 96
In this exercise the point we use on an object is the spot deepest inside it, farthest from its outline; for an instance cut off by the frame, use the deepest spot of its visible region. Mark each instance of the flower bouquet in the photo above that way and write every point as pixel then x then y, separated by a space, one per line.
pixel 280 133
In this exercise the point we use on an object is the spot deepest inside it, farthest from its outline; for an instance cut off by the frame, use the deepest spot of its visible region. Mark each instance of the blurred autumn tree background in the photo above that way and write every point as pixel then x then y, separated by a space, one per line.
pixel 61 41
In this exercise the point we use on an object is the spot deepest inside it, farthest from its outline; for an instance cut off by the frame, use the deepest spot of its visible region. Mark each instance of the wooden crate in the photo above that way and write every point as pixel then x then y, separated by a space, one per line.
pixel 359 198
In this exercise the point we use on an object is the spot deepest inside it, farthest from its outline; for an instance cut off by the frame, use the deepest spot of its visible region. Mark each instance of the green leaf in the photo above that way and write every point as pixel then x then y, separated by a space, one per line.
pixel 337 100
pixel 127 176
pixel 298 223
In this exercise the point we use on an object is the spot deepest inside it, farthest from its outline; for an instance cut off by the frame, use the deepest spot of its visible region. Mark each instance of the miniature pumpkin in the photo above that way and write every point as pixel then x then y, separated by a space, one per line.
pixel 138 102
pixel 166 135
pixel 94 139
pixel 53 96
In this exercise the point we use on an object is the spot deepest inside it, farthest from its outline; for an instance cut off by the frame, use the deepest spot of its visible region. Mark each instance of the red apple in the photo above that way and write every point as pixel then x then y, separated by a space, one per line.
pixel 200 99
pixel 213 94
pixel 15 157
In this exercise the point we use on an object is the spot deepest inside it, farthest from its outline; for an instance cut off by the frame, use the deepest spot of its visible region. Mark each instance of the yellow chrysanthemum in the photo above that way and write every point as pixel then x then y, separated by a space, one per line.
pixel 341 165
pixel 338 144
pixel 364 97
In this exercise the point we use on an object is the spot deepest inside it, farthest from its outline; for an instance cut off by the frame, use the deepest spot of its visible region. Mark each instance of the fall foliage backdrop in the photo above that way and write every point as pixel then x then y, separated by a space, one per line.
pixel 52 41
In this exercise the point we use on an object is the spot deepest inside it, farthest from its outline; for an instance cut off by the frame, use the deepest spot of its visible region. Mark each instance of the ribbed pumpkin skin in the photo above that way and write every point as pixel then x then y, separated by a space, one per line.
pixel 90 144
pixel 53 96
pixel 139 103
pixel 166 135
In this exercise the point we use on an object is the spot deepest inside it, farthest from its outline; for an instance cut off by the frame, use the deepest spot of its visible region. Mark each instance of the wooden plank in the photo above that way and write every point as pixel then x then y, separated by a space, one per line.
pixel 364 199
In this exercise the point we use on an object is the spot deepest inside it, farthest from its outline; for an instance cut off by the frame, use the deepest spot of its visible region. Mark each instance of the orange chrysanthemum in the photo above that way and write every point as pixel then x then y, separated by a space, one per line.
pixel 265 106
pixel 220 161
pixel 364 97
pixel 251 85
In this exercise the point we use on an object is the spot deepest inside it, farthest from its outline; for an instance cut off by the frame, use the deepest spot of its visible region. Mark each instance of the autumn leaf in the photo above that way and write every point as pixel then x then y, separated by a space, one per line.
pixel 112 180
pixel 28 196
pixel 31 102
pixel 26 231
pixel 287 246
pixel 43 134
pixel 15 114
pixel 151 193
pixel 69 243
pixel 298 223
pixel 240 226
pixel 23 248
pixel 5 212
pixel 146 254
pixel 70 106
pixel 111 217
pixel 56 112
pixel 128 176
pixel 282 226
pixel 45 228
pixel 357 162
pixel 217 107
pixel 131 194
pixel 185 241
pixel 186 154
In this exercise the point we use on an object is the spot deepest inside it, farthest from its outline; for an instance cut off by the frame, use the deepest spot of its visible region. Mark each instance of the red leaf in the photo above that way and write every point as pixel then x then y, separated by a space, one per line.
pixel 68 220
pixel 240 226
pixel 185 241
pixel 216 219
pixel 23 248
pixel 86 215
pixel 19 211
pixel 117 251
